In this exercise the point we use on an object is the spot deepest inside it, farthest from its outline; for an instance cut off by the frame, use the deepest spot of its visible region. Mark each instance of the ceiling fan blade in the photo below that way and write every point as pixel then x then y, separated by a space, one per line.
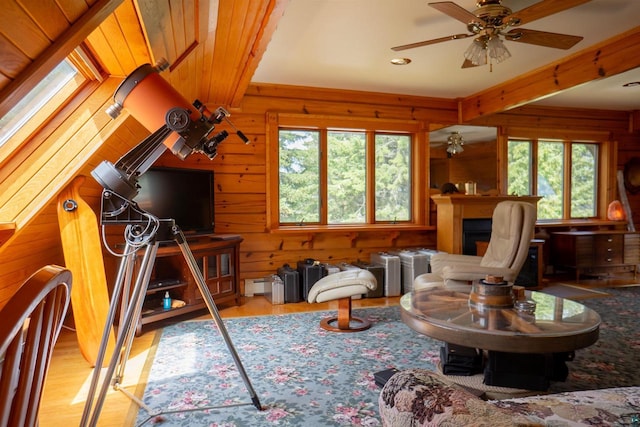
pixel 540 10
pixel 542 38
pixel 468 64
pixel 433 41
pixel 456 12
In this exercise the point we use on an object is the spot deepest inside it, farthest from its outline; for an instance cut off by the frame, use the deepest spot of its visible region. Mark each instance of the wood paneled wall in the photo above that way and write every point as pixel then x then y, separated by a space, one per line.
pixel 240 176
pixel 38 243
pixel 241 171
pixel 240 188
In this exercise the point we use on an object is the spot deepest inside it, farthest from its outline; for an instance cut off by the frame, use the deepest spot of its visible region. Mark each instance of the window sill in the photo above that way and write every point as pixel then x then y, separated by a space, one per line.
pixel 350 228
pixel 594 222
pixel 353 231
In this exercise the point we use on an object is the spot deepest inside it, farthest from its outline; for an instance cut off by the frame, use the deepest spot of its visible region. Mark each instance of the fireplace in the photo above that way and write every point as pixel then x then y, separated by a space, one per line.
pixel 474 230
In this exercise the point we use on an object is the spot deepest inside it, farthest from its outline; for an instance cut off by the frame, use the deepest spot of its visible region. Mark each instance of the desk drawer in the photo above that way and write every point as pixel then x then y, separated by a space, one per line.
pixel 609 249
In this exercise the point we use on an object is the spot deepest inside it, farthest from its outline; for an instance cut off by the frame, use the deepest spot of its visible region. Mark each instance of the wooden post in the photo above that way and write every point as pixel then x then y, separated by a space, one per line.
pixel 83 256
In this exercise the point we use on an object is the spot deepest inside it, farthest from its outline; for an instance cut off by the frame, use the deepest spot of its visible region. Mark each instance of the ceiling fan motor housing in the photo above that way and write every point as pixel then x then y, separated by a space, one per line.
pixel 491 15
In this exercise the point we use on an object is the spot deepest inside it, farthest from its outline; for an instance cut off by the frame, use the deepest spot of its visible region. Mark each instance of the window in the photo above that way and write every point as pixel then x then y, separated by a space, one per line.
pixel 43 101
pixel 393 177
pixel 299 173
pixel 332 176
pixel 564 173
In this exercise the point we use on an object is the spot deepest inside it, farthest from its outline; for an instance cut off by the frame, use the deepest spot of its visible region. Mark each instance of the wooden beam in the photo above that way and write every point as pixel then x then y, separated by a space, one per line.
pixel 268 25
pixel 614 56
pixel 55 53
pixel 243 32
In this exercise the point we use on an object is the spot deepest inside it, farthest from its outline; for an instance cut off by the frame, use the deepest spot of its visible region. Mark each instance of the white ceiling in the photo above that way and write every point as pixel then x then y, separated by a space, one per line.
pixel 346 44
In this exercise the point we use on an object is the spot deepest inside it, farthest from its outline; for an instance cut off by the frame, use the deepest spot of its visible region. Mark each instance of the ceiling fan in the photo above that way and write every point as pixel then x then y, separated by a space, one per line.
pixel 492 20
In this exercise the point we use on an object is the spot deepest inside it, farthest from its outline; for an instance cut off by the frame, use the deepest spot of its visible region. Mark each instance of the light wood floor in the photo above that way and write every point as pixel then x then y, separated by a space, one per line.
pixel 70 375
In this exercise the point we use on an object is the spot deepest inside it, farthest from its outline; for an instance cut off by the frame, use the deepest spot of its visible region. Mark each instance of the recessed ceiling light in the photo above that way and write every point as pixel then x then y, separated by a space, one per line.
pixel 400 61
pixel 631 84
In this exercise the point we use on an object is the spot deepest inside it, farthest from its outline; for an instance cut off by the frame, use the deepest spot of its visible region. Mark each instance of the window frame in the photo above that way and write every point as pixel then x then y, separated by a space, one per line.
pixel 72 93
pixel 605 174
pixel 419 167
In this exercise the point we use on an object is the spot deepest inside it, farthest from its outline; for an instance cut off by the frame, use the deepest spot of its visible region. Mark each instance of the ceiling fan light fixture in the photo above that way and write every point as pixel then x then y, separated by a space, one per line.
pixel 477 52
pixel 454 144
pixel 497 50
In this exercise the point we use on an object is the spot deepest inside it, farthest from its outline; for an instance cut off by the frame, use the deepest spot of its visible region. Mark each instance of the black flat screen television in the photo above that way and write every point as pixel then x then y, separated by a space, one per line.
pixel 185 195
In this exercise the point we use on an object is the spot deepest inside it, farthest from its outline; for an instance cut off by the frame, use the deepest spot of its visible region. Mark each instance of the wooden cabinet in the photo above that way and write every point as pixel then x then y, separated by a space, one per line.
pixel 596 251
pixel 218 260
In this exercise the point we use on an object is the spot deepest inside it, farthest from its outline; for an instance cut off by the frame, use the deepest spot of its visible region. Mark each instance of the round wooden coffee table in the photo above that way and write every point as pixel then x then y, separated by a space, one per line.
pixel 559 325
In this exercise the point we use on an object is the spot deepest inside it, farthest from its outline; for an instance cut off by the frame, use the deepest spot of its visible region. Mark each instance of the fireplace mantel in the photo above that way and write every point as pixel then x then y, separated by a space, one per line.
pixel 452 209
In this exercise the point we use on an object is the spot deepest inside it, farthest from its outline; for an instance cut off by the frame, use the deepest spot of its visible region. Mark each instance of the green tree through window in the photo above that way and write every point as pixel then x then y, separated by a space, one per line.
pixel 346 180
pixel 584 180
pixel 551 159
pixel 393 179
pixel 332 165
pixel 299 169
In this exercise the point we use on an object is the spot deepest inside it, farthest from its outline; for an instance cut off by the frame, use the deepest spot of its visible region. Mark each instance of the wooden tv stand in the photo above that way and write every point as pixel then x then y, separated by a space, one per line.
pixel 218 259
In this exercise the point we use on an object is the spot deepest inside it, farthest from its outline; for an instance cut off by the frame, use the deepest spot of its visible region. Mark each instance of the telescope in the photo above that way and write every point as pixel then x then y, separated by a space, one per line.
pixel 177 125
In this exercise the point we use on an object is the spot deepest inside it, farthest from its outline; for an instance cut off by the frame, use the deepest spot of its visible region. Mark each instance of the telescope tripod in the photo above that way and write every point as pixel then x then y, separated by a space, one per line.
pixel 131 300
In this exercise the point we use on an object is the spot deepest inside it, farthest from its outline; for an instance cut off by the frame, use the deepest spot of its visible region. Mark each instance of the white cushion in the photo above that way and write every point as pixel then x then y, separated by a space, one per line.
pixel 341 285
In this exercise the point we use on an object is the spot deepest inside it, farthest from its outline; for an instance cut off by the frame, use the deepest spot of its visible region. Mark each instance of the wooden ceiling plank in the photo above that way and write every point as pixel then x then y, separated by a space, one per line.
pixel 191 21
pixel 98 43
pixel 156 19
pixel 72 9
pixel 132 30
pixel 614 56
pixel 239 52
pixel 221 48
pixel 239 48
pixel 267 28
pixel 21 30
pixel 12 59
pixel 179 20
pixel 55 53
pixel 118 42
pixel 230 33
pixel 48 15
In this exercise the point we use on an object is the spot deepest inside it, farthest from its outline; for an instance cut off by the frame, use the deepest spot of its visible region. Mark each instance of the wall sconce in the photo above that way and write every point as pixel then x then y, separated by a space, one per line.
pixel 615 211
pixel 454 144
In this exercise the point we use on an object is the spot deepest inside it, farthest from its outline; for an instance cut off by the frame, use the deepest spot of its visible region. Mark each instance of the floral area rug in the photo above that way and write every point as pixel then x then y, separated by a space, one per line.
pixel 302 374
pixel 305 376
pixel 612 361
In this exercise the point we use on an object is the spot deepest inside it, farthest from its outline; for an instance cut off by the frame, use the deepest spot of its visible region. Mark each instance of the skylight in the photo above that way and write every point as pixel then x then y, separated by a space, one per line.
pixel 39 96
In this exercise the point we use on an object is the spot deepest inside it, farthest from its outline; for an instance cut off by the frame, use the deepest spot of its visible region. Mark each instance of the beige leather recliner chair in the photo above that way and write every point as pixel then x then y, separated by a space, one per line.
pixel 512 229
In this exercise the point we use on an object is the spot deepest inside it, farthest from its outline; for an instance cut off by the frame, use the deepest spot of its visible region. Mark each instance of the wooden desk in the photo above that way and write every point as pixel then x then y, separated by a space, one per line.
pixel 596 251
